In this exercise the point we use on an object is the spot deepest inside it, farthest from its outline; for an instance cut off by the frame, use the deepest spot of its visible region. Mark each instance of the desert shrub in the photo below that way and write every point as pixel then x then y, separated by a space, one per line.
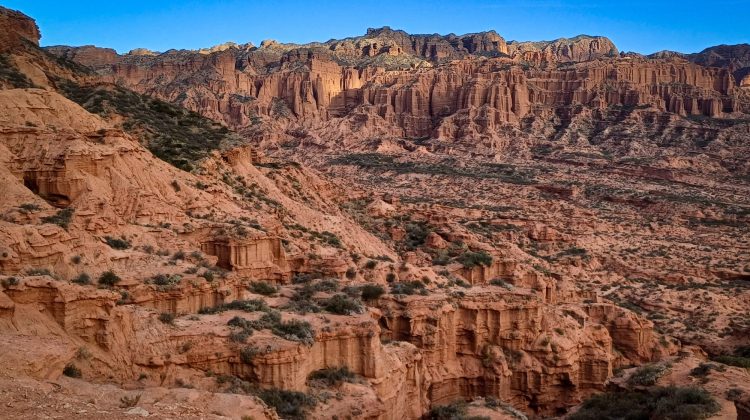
pixel 262 288
pixel 251 305
pixel 248 353
pixel 288 404
pixel 165 279
pixel 29 207
pixel 743 362
pixel 351 273
pixel 240 336
pixel 332 376
pixel 71 371
pixel 166 317
pixel 178 255
pixel 295 330
pixel 703 369
pixel 109 278
pixel 372 291
pixel 390 277
pixel 647 375
pixel 370 264
pixel 408 288
pixel 117 243
pixel 38 272
pixel 501 283
pixel 342 304
pixel 128 401
pixel 82 279
pixel 62 218
pixel 471 259
pixel 416 234
pixel 10 281
pixel 669 403
pixel 302 306
pixel 208 275
pixel 740 358
pixel 454 411
pixel 75 259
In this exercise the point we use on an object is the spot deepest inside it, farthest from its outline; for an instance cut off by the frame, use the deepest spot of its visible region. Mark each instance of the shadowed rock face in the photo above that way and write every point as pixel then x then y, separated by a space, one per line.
pixel 471 218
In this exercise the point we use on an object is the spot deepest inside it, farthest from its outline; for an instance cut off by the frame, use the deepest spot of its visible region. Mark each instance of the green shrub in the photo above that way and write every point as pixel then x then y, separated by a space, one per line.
pixel 62 218
pixel 117 243
pixel 29 207
pixel 109 278
pixel 703 369
pixel 647 375
pixel 454 411
pixel 471 259
pixel 372 291
pixel 165 279
pixel 342 304
pixel 295 330
pixel 288 404
pixel 251 305
pixel 82 279
pixel 248 353
pixel 10 281
pixel 332 376
pixel 39 272
pixel 740 358
pixel 408 288
pixel 262 288
pixel 71 371
pixel 669 403
pixel 166 317
pixel 501 283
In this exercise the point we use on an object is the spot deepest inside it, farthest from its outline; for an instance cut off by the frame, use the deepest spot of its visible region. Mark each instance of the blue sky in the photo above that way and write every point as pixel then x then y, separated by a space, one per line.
pixel 636 25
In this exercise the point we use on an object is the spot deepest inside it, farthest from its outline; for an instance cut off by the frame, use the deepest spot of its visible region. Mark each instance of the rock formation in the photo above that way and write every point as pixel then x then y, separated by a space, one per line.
pixel 373 227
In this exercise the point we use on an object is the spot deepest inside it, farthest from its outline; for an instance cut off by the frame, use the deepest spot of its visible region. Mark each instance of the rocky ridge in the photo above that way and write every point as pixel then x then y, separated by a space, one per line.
pixel 244 280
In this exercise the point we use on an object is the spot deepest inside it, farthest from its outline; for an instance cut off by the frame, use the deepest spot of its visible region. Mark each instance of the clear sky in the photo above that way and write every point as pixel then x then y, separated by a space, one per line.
pixel 634 25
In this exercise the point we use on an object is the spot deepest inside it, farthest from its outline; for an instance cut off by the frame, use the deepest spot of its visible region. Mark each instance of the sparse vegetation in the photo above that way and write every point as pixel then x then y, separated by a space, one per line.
pixel 342 304
pixel 117 243
pixel 166 317
pixel 372 291
pixel 648 375
pixel 62 218
pixel 332 376
pixel 288 404
pixel 653 403
pixel 263 288
pixel 471 259
pixel 409 288
pixel 251 305
pixel 71 371
pixel 109 278
pixel 172 133
pixel 82 279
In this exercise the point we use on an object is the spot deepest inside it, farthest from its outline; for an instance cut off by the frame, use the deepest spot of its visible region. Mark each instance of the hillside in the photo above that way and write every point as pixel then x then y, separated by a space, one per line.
pixel 386 226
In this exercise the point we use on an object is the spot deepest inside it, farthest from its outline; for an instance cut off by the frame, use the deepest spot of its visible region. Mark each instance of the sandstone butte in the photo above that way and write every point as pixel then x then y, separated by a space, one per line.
pixel 377 227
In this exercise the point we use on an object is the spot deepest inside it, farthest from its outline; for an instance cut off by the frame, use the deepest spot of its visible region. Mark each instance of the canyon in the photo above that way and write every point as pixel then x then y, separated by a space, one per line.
pixel 380 227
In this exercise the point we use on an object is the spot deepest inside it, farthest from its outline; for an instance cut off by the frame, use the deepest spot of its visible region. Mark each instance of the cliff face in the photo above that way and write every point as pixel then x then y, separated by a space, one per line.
pixel 17 28
pixel 352 83
pixel 152 259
